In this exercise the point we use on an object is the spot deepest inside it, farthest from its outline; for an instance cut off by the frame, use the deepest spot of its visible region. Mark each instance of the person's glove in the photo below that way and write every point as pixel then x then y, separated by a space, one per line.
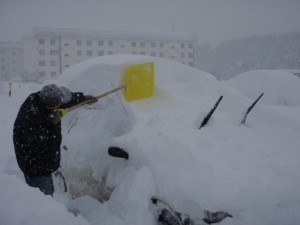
pixel 55 117
pixel 92 99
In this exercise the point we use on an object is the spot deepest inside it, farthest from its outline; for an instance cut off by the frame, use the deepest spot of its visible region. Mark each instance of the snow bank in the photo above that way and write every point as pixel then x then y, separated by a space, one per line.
pixel 250 171
pixel 279 87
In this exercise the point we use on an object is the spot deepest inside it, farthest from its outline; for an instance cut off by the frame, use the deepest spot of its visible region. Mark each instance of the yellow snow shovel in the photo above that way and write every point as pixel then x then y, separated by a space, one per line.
pixel 137 83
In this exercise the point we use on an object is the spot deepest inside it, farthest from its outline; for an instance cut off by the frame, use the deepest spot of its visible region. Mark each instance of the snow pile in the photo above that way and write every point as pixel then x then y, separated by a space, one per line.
pixel 250 171
pixel 279 87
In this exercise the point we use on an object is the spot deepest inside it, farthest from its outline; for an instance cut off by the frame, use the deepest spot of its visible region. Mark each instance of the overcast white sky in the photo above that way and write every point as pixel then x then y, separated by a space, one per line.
pixel 211 20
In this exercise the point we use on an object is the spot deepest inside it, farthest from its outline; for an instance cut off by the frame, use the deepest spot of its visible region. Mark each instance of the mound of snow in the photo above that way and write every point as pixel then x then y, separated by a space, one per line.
pixel 99 74
pixel 112 119
pixel 279 87
pixel 250 171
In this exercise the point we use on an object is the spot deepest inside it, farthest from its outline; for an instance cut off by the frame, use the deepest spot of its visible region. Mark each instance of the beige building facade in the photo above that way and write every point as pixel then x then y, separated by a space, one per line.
pixel 47 52
pixel 11 61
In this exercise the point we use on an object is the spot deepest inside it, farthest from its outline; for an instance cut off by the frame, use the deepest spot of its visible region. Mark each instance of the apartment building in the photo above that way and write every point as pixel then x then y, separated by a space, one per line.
pixel 46 52
pixel 11 60
pixel 49 51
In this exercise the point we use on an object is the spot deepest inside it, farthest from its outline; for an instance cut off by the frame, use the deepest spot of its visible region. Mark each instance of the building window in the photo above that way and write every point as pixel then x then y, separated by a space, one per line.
pixel 78 42
pixel 53 63
pixel 53 74
pixel 161 45
pixel 66 66
pixel 66 44
pixel 67 55
pixel 143 53
pixel 79 52
pixel 42 63
pixel 133 53
pixel 100 53
pixel 100 43
pixel 153 44
pixel 110 52
pixel 190 55
pixel 110 43
pixel 143 44
pixel 42 52
pixel 89 53
pixel 161 54
pixel 153 54
pixel 182 55
pixel 133 44
pixel 182 45
pixel 2 67
pixel 41 41
pixel 42 73
pixel 52 41
pixel 53 52
pixel 190 45
pixel 89 42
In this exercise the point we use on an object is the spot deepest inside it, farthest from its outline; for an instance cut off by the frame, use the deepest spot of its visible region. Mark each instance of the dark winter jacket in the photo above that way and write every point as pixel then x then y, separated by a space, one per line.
pixel 36 138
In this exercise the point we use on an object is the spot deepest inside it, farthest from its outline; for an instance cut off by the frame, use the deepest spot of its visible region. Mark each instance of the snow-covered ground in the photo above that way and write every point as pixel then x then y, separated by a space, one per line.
pixel 251 170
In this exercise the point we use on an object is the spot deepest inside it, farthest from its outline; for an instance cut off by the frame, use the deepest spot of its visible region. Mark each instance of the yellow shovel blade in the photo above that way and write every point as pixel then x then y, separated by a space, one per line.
pixel 139 81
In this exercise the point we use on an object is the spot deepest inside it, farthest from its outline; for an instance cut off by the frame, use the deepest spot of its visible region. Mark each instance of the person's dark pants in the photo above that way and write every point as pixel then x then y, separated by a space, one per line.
pixel 45 183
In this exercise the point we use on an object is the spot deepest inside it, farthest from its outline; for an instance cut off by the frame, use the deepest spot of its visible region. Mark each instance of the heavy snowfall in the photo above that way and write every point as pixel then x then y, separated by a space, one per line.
pixel 250 170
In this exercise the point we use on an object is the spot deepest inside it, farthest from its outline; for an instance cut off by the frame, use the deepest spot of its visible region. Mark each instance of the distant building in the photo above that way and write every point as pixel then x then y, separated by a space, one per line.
pixel 49 51
pixel 11 61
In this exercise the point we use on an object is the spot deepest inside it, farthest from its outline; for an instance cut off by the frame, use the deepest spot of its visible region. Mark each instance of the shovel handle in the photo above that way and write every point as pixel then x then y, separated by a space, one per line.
pixel 111 91
pixel 63 112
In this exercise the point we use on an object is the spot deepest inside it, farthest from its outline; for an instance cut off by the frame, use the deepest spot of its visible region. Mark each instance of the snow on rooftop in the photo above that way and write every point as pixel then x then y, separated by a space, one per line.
pixel 111 34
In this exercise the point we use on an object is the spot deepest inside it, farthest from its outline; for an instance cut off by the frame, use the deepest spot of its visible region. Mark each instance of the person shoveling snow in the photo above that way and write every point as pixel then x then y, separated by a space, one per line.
pixel 37 134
